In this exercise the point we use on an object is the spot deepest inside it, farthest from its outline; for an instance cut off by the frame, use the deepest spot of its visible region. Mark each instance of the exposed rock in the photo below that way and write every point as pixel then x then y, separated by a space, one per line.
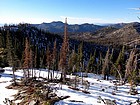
pixel 110 102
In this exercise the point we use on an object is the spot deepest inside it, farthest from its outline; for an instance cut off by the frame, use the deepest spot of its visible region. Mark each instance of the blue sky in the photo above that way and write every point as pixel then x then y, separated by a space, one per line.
pixel 77 11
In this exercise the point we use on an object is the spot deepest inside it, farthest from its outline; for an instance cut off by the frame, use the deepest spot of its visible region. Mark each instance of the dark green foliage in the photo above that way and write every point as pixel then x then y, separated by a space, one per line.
pixel 3 57
pixel 99 62
pixel 105 68
pixel 91 63
pixel 1 40
pixel 12 45
pixel 72 62
pixel 12 58
pixel 9 49
pixel 120 63
pixel 80 58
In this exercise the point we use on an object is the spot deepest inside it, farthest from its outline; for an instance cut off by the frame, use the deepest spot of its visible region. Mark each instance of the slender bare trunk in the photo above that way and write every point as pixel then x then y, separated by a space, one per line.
pixel 14 77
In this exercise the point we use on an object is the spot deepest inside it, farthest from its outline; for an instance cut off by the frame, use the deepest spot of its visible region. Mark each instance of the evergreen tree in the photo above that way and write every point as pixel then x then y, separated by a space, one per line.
pixel 11 56
pixel 80 57
pixel 2 57
pixel 15 64
pixel 120 63
pixel 72 61
pixel 105 69
pixel 99 63
pixel 1 40
pixel 113 67
pixel 135 69
pixel 91 63
pixel 9 49
pixel 80 60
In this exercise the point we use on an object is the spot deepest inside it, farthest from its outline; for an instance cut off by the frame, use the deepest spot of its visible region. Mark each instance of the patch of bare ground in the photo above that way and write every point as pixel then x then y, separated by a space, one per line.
pixel 34 92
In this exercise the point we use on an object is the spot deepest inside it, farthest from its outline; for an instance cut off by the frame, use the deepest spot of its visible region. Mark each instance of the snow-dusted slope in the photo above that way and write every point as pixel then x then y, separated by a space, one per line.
pixel 98 88
pixel 5 79
pixel 122 97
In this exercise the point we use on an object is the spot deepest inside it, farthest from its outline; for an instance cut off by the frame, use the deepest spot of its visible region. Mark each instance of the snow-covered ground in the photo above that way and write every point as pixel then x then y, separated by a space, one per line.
pixel 98 88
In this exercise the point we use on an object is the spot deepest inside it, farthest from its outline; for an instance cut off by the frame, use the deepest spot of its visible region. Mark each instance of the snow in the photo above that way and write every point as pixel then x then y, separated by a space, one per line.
pixel 98 88
pixel 5 81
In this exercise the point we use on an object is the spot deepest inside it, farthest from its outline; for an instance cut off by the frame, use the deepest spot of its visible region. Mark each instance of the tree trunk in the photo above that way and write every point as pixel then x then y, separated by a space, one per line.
pixel 14 77
pixel 48 74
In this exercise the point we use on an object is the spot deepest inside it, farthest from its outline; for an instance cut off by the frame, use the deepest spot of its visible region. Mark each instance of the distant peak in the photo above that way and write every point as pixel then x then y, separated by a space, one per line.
pixel 56 22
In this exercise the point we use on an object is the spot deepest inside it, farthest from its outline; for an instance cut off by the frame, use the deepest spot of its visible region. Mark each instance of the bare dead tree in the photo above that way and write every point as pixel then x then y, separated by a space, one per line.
pixel 26 58
pixel 63 53
pixel 129 64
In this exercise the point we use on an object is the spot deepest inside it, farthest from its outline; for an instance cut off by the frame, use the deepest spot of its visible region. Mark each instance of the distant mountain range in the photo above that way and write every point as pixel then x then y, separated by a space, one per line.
pixel 112 35
pixel 58 27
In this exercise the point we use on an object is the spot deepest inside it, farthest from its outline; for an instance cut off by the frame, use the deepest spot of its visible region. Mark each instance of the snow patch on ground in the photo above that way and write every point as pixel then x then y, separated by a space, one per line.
pixel 98 87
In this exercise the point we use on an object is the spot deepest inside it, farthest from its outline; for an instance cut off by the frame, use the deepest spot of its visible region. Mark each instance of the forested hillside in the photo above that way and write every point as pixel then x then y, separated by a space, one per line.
pixel 24 46
pixel 12 38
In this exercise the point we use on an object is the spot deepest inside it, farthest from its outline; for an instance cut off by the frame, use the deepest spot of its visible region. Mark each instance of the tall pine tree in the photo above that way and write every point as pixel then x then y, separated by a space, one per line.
pixel 91 63
pixel 120 62
pixel 63 53
pixel 9 48
pixel 80 57
pixel 26 63
pixel 11 56
pixel 105 69
pixel 72 62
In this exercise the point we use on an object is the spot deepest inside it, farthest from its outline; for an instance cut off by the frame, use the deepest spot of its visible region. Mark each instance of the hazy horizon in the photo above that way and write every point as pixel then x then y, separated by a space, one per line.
pixel 101 24
pixel 77 11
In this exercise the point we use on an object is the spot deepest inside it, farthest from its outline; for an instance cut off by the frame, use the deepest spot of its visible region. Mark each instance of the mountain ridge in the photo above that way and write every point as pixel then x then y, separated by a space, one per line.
pixel 57 27
pixel 114 34
pixel 111 36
